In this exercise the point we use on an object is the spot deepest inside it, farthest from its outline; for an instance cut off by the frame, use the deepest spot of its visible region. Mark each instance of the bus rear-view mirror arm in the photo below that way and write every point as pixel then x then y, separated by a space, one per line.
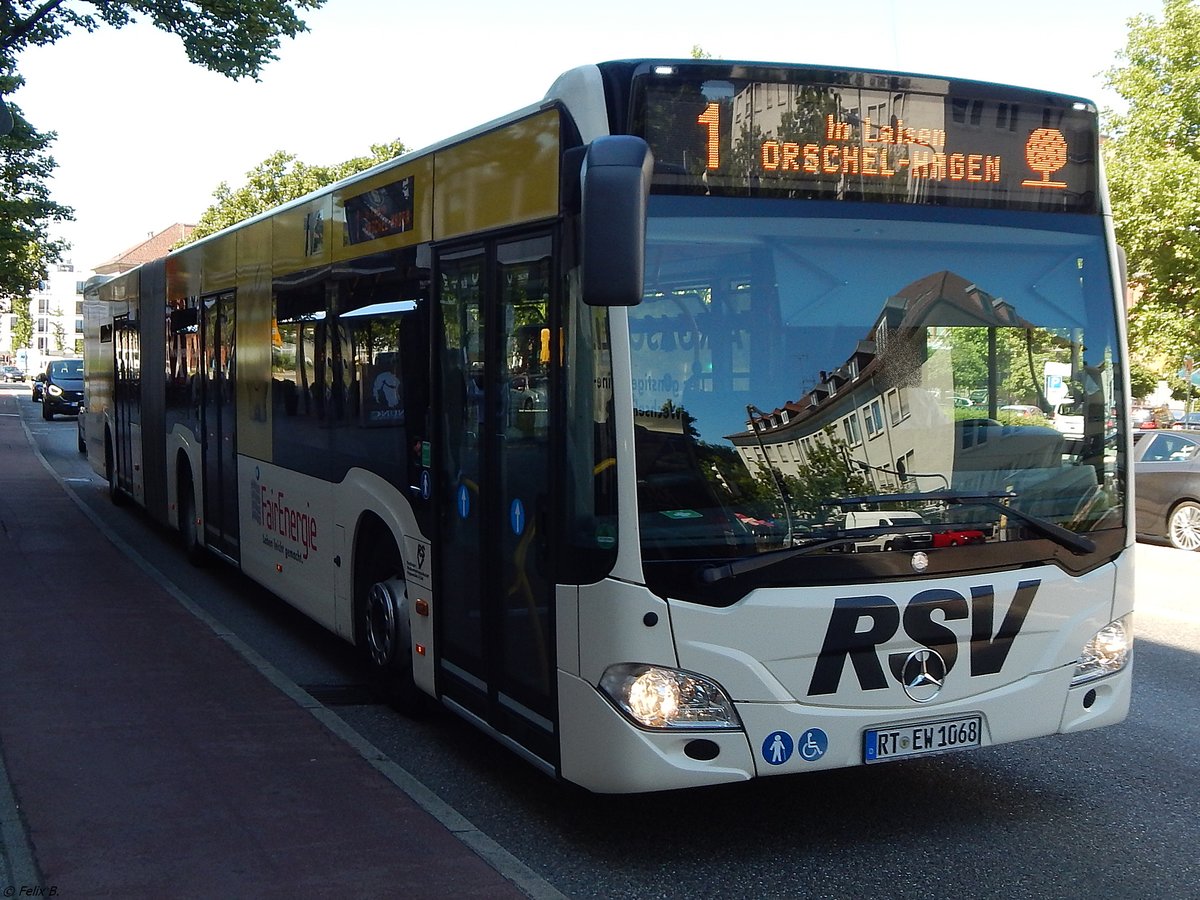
pixel 615 188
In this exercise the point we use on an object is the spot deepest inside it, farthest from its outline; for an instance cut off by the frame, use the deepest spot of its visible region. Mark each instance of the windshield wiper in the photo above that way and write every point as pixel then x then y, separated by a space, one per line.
pixel 1076 543
pixel 712 574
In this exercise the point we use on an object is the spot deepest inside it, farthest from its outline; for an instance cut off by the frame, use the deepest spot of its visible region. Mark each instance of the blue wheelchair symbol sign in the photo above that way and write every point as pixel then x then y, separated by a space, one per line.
pixel 812 744
pixel 777 748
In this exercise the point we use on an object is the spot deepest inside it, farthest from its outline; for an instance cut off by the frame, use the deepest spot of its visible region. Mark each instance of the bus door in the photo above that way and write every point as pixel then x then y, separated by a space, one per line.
pixel 217 424
pixel 494 589
pixel 125 410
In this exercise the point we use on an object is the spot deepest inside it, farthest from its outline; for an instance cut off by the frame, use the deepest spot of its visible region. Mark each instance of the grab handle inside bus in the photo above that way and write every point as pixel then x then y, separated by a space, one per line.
pixel 615 179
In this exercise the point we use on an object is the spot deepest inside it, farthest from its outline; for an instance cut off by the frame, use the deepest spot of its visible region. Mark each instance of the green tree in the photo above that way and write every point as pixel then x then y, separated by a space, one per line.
pixel 1142 380
pixel 22 333
pixel 279 178
pixel 825 477
pixel 235 39
pixel 26 210
pixel 1153 165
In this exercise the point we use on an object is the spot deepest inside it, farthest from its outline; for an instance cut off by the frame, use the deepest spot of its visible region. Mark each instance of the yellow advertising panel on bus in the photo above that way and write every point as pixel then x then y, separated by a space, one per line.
pixel 502 178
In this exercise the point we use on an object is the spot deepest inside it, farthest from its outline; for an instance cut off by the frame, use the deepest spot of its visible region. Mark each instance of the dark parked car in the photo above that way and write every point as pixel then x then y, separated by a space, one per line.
pixel 62 388
pixel 1166 471
pixel 11 373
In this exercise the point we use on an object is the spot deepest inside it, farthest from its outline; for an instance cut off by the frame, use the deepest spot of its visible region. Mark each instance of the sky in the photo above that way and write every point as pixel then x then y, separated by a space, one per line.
pixel 145 137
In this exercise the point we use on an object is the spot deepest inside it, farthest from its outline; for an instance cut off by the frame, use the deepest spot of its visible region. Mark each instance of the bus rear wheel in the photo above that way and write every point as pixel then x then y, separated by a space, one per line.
pixel 189 529
pixel 385 634
pixel 115 495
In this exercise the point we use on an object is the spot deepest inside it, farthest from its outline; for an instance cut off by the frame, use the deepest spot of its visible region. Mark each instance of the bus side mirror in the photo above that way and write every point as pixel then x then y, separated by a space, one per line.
pixel 615 187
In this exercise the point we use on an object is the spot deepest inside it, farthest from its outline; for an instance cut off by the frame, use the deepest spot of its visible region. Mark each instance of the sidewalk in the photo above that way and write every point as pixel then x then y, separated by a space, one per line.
pixel 147 756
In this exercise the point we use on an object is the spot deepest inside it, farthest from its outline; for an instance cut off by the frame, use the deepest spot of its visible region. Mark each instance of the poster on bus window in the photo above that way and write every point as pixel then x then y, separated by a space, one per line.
pixel 384 400
pixel 380 212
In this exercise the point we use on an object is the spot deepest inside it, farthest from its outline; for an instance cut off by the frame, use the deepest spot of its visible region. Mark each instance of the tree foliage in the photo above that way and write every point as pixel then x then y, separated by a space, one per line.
pixel 279 178
pixel 234 39
pixel 826 473
pixel 1153 164
pixel 26 210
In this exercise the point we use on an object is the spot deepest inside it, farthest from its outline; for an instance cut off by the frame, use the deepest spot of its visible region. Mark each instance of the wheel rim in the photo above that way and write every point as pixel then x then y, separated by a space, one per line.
pixel 381 624
pixel 1185 528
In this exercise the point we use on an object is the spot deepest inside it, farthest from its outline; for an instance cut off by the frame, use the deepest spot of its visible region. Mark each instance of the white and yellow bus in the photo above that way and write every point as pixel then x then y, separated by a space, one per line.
pixel 576 422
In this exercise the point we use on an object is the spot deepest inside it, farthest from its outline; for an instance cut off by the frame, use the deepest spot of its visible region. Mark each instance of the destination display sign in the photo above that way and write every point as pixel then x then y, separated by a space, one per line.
pixel 875 140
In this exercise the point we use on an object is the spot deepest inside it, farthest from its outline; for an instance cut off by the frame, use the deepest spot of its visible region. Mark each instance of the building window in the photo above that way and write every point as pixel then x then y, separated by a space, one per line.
pixel 851 430
pixel 897 403
pixel 873 414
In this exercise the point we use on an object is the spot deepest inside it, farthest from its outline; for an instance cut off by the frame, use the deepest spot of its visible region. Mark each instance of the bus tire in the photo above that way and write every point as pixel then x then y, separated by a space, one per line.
pixel 189 531
pixel 384 631
pixel 115 495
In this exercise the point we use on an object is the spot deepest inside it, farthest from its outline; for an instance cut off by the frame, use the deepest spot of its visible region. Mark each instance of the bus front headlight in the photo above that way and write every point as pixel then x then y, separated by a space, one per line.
pixel 1107 652
pixel 656 697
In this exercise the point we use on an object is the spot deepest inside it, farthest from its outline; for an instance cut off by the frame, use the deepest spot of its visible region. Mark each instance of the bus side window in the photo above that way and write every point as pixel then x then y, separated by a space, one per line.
pixel 380 368
pixel 183 359
pixel 298 358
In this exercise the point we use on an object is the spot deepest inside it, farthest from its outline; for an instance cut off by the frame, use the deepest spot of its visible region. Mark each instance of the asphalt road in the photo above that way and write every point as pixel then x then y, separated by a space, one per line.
pixel 1107 813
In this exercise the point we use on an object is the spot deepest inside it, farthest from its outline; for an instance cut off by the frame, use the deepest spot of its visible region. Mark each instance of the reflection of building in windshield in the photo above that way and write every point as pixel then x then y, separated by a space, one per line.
pixel 892 398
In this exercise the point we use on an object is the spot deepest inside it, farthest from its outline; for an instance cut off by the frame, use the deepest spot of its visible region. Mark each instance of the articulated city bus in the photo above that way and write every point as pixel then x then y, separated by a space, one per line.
pixel 688 426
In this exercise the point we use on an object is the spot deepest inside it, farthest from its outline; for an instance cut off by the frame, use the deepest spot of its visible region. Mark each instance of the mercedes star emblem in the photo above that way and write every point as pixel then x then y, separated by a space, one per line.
pixel 923 675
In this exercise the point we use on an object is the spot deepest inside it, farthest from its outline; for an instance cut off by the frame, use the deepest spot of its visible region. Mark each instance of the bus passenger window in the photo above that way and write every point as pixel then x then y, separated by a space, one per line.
pixel 183 360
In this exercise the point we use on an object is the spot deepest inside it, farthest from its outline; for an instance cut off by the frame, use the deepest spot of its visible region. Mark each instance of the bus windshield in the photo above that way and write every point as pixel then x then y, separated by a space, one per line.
pixel 873 383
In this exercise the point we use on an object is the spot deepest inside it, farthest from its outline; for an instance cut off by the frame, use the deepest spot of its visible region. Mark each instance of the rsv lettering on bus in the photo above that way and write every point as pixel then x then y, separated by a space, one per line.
pixel 859 625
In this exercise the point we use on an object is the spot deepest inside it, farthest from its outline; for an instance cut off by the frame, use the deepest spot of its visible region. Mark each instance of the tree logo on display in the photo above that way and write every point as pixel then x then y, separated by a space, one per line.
pixel 1045 153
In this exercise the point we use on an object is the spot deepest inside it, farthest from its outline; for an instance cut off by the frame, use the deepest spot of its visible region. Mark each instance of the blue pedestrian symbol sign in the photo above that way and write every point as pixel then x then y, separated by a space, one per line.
pixel 426 484
pixel 464 501
pixel 777 748
pixel 516 516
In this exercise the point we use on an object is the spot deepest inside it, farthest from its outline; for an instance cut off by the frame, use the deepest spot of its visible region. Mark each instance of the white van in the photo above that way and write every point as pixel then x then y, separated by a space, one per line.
pixel 909 540
pixel 1068 417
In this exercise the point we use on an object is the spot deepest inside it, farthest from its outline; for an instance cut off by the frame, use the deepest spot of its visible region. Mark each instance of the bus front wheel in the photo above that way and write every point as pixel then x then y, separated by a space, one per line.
pixel 386 636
